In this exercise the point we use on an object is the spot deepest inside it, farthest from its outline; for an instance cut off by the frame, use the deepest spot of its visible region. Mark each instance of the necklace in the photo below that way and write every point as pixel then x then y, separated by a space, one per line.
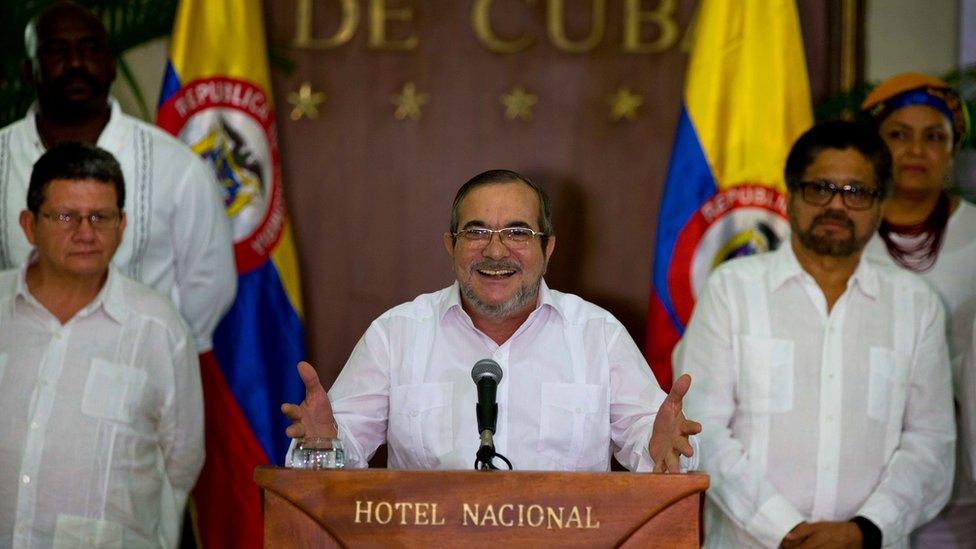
pixel 916 247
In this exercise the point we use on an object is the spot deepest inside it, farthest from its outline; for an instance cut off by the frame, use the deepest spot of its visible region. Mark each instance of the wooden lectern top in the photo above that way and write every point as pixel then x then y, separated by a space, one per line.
pixel 383 507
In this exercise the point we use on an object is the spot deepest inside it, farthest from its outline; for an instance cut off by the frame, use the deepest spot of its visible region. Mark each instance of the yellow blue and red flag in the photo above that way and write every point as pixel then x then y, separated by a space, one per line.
pixel 746 99
pixel 216 98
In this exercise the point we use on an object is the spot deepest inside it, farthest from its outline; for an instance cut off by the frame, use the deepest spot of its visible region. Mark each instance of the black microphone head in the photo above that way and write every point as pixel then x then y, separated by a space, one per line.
pixel 486 367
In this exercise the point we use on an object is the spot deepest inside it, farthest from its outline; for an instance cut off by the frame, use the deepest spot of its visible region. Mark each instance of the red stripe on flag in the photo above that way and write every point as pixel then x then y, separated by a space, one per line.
pixel 661 339
pixel 226 499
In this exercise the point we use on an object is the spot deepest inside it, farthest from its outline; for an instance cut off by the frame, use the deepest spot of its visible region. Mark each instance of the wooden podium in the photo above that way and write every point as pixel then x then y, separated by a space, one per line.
pixel 389 508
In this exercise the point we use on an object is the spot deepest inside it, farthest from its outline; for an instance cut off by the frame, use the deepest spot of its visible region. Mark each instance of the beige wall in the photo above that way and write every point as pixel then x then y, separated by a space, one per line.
pixel 146 63
pixel 910 35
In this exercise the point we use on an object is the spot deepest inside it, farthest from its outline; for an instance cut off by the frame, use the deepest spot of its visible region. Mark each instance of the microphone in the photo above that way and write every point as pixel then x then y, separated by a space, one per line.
pixel 486 375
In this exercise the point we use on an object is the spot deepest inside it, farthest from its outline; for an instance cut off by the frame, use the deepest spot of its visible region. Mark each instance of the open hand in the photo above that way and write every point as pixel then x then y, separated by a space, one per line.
pixel 669 438
pixel 313 417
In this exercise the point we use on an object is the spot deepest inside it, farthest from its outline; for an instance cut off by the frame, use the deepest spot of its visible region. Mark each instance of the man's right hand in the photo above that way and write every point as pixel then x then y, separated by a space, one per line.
pixel 313 417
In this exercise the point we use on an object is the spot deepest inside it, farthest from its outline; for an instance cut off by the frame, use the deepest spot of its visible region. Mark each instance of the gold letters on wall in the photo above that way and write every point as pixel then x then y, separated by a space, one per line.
pixel 640 18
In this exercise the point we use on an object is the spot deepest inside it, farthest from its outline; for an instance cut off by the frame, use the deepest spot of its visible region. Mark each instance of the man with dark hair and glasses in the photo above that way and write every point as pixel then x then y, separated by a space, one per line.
pixel 574 387
pixel 822 378
pixel 99 381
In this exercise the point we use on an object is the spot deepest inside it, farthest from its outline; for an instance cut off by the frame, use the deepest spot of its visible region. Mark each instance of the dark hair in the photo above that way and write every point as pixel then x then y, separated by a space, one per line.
pixel 74 161
pixel 840 135
pixel 497 177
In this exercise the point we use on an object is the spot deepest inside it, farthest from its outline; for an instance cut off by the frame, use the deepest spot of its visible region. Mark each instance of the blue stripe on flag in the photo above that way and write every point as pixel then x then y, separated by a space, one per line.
pixel 257 344
pixel 689 185
pixel 171 84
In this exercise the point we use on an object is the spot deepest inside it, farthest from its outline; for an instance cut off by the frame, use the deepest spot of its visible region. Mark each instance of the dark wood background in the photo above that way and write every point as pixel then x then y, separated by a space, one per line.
pixel 370 195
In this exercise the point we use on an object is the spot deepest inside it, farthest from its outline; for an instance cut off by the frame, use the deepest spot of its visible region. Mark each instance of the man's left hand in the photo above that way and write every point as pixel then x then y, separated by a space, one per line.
pixel 669 439
pixel 812 535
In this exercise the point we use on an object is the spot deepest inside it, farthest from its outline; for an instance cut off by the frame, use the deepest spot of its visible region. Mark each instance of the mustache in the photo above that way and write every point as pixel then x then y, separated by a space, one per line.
pixel 495 265
pixel 833 215
pixel 79 74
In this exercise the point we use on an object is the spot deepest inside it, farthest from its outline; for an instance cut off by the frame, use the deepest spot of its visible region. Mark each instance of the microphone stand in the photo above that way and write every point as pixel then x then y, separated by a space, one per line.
pixel 484 459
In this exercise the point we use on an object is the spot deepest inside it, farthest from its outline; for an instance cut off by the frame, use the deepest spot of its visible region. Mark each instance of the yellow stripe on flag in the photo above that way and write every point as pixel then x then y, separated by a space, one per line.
pixel 286 261
pixel 232 27
pixel 747 90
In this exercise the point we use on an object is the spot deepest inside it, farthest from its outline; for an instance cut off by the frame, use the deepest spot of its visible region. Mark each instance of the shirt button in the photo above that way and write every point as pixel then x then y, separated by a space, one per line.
pixel 25 479
pixel 830 419
pixel 579 410
pixel 414 413
pixel 34 425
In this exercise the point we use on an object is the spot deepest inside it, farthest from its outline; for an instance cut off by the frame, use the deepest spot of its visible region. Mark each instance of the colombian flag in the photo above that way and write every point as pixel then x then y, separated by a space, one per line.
pixel 746 99
pixel 216 98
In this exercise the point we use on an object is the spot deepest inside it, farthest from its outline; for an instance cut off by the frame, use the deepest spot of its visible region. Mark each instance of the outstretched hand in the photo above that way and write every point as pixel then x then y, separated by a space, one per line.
pixel 669 438
pixel 313 417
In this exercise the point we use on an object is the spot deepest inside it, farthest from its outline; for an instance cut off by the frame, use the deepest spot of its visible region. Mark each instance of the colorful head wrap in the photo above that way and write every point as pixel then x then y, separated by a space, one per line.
pixel 912 88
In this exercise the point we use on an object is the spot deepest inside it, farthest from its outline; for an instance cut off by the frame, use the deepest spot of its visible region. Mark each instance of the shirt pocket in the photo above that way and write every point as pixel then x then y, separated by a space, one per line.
pixel 112 390
pixel 765 374
pixel 887 383
pixel 422 421
pixel 81 532
pixel 571 417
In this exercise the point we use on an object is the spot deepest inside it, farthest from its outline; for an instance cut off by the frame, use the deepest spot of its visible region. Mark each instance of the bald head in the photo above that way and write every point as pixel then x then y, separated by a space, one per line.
pixel 69 63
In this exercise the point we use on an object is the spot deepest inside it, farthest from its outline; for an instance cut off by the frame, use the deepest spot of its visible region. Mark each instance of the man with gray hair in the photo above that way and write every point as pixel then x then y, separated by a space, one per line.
pixel 574 385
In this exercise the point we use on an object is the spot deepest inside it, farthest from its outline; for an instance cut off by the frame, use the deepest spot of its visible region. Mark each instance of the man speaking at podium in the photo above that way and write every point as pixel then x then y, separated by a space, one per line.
pixel 573 388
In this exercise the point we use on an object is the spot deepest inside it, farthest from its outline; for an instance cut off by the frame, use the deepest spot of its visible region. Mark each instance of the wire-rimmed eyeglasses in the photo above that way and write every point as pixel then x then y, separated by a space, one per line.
pixel 72 220
pixel 513 237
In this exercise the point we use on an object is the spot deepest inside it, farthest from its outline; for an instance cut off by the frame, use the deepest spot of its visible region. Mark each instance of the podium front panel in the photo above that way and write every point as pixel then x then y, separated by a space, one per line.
pixel 382 507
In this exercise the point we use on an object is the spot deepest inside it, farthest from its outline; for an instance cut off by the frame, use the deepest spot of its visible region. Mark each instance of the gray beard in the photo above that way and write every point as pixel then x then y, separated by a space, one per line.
pixel 525 295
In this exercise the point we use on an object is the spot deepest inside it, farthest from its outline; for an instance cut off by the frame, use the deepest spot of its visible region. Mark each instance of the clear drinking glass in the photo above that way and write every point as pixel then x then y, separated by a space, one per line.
pixel 318 453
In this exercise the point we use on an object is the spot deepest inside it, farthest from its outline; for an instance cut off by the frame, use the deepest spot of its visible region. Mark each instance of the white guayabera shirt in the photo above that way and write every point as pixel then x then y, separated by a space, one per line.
pixel 810 415
pixel 102 430
pixel 574 387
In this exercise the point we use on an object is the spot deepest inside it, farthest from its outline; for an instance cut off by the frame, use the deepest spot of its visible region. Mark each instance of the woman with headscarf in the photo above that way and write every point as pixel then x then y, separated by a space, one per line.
pixel 933 233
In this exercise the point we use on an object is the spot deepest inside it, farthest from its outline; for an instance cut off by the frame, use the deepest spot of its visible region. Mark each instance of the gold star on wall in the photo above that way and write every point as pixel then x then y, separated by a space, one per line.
pixel 408 102
pixel 623 104
pixel 306 102
pixel 518 103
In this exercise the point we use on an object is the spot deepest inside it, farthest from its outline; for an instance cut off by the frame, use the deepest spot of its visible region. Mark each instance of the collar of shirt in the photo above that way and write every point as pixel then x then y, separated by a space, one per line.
pixel 109 297
pixel 786 267
pixel 111 138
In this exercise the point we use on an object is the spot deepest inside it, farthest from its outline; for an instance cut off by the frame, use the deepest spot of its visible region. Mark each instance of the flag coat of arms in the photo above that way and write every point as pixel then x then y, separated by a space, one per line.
pixel 216 98
pixel 746 99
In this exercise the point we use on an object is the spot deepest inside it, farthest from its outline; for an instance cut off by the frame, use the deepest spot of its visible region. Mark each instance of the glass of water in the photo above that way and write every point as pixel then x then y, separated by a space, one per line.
pixel 318 453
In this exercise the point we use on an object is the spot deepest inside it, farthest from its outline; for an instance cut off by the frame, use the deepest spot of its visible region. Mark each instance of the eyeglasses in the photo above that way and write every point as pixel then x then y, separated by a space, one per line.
pixel 72 220
pixel 513 237
pixel 820 193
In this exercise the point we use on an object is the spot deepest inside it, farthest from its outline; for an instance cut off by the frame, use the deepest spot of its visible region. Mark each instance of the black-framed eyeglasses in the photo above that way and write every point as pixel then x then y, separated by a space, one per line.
pixel 72 220
pixel 821 192
pixel 513 237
